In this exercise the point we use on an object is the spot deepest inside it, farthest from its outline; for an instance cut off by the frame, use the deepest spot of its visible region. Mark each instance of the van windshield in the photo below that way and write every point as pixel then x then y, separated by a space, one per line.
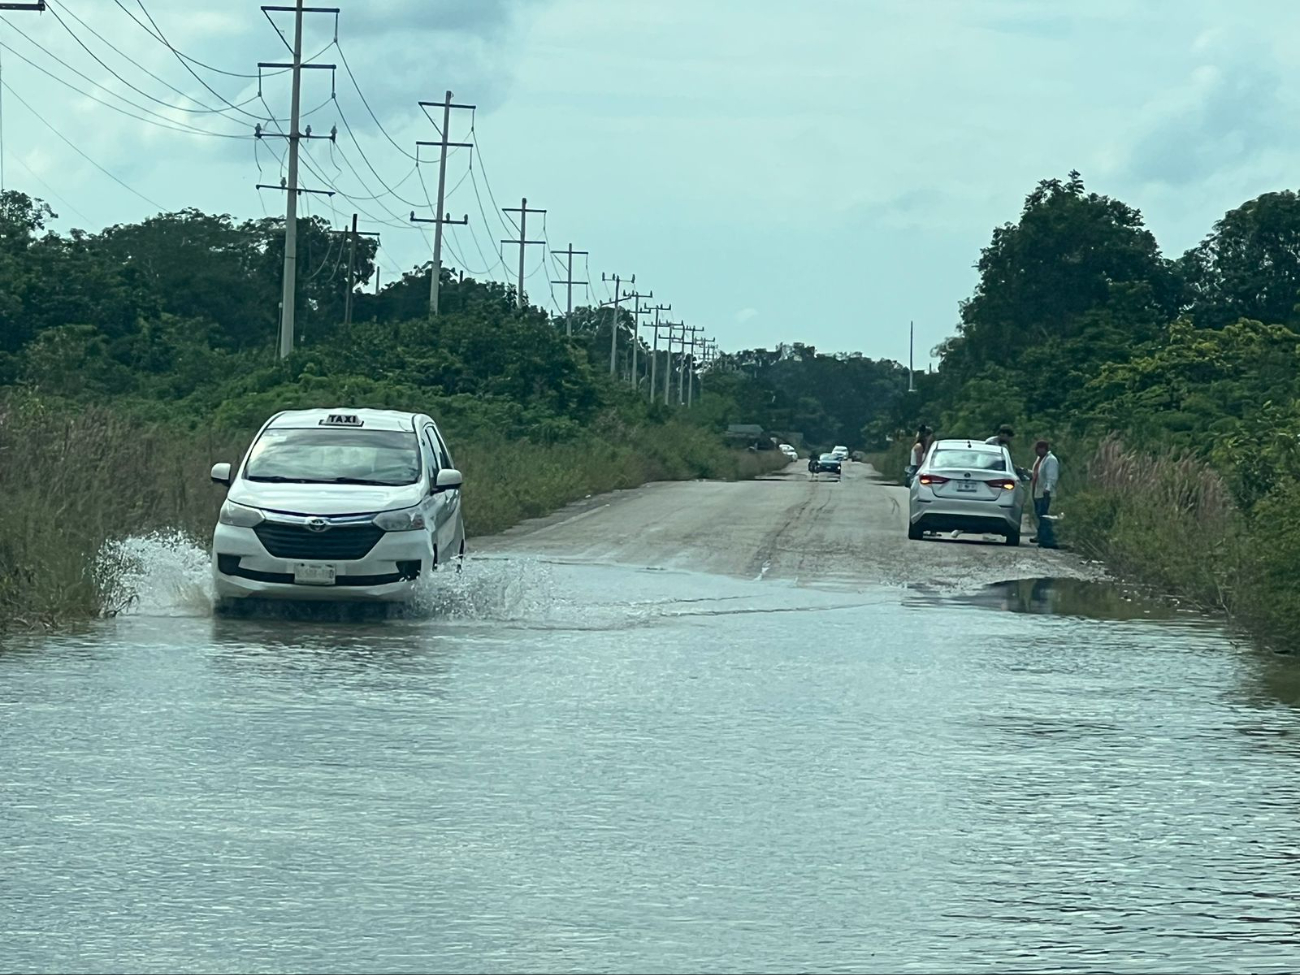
pixel 335 456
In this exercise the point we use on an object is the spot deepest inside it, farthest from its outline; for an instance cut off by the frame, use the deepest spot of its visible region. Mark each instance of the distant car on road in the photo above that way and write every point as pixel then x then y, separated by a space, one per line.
pixel 789 451
pixel 967 486
pixel 340 504
pixel 829 464
pixel 840 451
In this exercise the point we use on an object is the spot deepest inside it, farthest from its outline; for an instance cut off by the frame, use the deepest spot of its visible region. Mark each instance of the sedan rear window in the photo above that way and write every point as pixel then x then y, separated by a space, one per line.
pixel 969 460
pixel 335 455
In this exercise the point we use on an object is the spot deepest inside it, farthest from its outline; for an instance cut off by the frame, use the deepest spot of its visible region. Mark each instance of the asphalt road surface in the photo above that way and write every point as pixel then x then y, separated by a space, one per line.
pixel 793 526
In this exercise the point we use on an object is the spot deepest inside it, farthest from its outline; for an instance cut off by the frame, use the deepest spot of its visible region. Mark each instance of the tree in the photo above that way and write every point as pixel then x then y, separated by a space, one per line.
pixel 1249 266
pixel 1043 280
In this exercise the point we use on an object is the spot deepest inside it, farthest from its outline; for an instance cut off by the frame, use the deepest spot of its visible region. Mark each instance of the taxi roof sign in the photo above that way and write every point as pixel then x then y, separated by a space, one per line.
pixel 342 420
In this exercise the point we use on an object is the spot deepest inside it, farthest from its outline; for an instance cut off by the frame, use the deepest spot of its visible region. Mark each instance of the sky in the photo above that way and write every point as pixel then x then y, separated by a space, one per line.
pixel 823 172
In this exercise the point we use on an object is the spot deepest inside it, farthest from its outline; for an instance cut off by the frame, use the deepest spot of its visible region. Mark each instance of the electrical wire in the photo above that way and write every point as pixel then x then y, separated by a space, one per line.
pixel 307 159
pixel 165 122
pixel 502 216
pixel 452 242
pixel 205 109
pixel 185 57
pixel 75 148
pixel 364 101
pixel 346 125
pixel 376 198
pixel 483 212
pixel 53 192
pixel 183 61
pixel 546 246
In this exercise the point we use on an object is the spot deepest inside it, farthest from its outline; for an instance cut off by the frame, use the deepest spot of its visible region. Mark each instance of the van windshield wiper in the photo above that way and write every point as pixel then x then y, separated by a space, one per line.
pixel 276 479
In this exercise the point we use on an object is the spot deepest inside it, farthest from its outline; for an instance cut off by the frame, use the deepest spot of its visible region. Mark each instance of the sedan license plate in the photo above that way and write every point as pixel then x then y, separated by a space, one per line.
pixel 968 487
pixel 314 573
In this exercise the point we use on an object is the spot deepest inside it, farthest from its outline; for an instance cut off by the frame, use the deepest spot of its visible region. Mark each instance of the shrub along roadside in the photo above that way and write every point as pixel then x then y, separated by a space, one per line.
pixel 74 479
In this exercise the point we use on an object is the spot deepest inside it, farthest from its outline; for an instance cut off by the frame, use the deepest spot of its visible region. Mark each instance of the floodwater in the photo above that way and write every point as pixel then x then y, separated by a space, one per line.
pixel 591 768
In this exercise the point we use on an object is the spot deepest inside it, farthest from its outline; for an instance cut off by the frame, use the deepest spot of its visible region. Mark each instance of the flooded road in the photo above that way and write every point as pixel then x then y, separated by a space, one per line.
pixel 564 766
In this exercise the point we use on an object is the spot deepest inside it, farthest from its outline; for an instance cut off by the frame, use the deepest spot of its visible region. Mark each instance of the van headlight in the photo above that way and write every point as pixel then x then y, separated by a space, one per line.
pixel 239 516
pixel 403 520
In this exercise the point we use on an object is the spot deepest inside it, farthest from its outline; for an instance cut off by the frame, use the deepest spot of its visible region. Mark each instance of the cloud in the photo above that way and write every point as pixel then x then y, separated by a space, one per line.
pixel 745 314
pixel 1227 112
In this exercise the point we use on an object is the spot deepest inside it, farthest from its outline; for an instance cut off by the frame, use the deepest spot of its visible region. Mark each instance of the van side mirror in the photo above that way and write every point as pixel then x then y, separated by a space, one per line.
pixel 221 474
pixel 448 480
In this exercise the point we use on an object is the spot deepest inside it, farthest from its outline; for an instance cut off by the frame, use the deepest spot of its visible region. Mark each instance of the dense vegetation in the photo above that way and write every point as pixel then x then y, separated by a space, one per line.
pixel 1170 386
pixel 132 359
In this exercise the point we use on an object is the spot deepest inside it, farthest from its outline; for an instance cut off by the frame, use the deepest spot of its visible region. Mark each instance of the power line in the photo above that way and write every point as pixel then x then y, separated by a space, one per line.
pixel 500 260
pixel 184 57
pixel 376 198
pixel 346 125
pixel 308 159
pixel 53 192
pixel 183 61
pixel 348 68
pixel 75 148
pixel 165 122
pixel 205 109
pixel 473 131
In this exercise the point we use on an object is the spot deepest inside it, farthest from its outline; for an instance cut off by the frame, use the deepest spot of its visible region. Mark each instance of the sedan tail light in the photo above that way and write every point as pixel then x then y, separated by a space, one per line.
pixel 929 479
pixel 1005 484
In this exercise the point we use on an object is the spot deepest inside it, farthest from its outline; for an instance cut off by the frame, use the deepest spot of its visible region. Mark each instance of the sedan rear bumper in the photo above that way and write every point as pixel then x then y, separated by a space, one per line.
pixel 983 517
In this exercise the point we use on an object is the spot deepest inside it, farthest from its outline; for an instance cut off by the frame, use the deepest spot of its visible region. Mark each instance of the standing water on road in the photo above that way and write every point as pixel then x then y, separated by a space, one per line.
pixel 598 768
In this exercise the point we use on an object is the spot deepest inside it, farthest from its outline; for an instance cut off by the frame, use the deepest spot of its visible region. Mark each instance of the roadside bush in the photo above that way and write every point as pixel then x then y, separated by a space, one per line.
pixel 75 478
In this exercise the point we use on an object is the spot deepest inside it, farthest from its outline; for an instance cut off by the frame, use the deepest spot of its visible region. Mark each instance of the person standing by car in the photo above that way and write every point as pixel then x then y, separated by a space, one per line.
pixel 1003 437
pixel 1047 471
pixel 924 438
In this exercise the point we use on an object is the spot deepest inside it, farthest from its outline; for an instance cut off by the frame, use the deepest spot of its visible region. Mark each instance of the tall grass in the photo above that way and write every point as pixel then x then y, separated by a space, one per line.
pixel 1165 520
pixel 73 480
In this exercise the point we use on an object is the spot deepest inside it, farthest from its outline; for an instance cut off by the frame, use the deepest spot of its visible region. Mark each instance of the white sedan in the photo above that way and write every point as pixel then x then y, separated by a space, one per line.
pixel 967 486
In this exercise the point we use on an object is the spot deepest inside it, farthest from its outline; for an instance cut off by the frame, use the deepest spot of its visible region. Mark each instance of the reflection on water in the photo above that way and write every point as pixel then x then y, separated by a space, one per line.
pixel 1073 597
pixel 585 768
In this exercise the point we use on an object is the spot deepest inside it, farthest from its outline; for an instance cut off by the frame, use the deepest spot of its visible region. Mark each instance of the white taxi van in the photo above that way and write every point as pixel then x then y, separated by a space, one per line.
pixel 337 504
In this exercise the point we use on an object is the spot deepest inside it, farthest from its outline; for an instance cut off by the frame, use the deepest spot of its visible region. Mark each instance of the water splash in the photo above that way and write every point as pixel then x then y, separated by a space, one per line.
pixel 164 573
pixel 490 591
pixel 167 574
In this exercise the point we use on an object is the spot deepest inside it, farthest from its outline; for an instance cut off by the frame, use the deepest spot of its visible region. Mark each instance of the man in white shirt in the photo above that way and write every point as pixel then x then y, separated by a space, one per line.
pixel 1047 471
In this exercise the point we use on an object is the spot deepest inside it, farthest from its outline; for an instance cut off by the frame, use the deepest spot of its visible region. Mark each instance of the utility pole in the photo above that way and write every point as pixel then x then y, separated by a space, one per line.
pixel 911 350
pixel 435 275
pixel 289 294
pixel 568 321
pixel 688 365
pixel 654 355
pixel 636 328
pixel 706 358
pixel 613 331
pixel 668 361
pixel 353 234
pixel 523 241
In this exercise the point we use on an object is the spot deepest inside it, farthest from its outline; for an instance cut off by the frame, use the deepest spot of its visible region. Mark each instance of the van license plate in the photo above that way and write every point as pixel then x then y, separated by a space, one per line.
pixel 968 486
pixel 314 573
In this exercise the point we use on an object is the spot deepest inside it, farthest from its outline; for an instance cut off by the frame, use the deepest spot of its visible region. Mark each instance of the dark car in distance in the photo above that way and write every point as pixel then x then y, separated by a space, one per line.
pixel 828 464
